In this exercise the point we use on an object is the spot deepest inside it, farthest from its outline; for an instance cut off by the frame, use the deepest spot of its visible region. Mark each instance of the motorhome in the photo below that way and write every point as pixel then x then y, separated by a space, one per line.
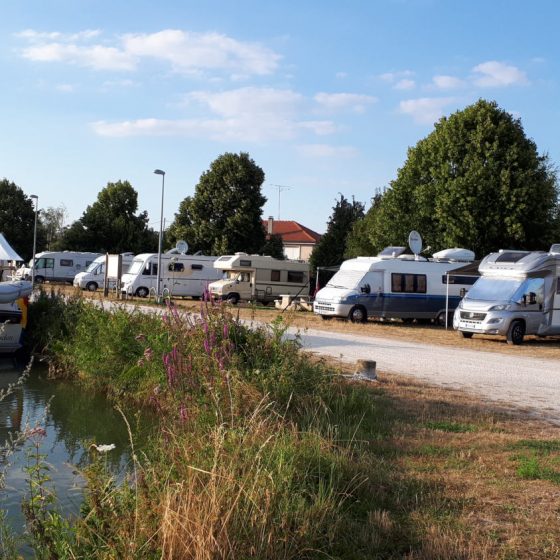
pixel 182 275
pixel 259 278
pixel 56 266
pixel 394 285
pixel 518 293
pixel 94 276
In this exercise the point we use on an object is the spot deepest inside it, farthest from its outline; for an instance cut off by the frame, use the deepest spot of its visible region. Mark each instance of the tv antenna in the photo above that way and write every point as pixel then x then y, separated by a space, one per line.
pixel 280 189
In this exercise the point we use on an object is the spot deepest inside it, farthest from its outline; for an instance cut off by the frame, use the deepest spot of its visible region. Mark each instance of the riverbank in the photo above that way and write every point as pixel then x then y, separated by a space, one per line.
pixel 264 452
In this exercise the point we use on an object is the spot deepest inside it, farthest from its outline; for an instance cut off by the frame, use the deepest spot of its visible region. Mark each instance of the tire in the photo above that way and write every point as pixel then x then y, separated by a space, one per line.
pixel 233 299
pixel 516 332
pixel 142 292
pixel 407 320
pixel 464 334
pixel 39 279
pixel 326 317
pixel 357 314
pixel 91 286
pixel 440 320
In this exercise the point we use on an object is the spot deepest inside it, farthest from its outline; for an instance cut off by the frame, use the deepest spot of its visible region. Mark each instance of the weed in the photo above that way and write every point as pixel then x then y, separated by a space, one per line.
pixel 447 426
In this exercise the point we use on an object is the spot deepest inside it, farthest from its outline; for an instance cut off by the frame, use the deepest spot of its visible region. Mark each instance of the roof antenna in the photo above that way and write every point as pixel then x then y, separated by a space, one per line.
pixel 280 189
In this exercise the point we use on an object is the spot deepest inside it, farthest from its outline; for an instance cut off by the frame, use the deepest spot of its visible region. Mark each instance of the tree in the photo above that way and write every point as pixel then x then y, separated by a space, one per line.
pixel 51 225
pixel 224 215
pixel 273 247
pixel 17 218
pixel 477 182
pixel 330 250
pixel 111 225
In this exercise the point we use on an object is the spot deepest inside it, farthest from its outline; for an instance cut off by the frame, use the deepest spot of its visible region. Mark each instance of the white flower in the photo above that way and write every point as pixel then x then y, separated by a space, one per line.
pixel 103 448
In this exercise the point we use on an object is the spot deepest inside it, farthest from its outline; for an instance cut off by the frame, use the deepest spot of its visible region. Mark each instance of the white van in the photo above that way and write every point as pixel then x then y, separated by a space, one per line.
pixel 182 275
pixel 259 278
pixel 94 276
pixel 56 266
pixel 393 285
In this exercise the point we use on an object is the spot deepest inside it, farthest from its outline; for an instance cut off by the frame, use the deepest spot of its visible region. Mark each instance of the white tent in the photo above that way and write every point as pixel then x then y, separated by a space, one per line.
pixel 6 251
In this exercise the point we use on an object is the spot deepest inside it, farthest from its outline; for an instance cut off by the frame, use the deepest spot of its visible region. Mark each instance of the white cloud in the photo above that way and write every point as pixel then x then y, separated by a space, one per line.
pixel 405 84
pixel 392 77
pixel 340 101
pixel 498 74
pixel 65 88
pixel 40 36
pixel 326 151
pixel 447 82
pixel 425 110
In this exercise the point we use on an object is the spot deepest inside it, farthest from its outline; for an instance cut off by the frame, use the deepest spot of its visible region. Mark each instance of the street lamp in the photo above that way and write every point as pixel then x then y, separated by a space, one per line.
pixel 162 173
pixel 34 238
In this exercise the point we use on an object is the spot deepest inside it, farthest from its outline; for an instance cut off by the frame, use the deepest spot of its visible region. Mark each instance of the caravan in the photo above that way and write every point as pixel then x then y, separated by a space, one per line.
pixel 394 285
pixel 55 266
pixel 517 294
pixel 259 278
pixel 182 275
pixel 94 276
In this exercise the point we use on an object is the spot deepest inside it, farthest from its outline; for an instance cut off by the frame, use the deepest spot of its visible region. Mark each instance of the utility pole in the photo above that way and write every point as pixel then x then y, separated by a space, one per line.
pixel 280 189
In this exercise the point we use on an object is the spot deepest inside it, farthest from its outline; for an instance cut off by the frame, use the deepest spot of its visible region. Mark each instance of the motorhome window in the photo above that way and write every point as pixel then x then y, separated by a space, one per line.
pixel 196 267
pixel 275 276
pixel 295 276
pixel 89 262
pixel 150 269
pixel 92 267
pixel 494 289
pixel 244 263
pixel 531 287
pixel 176 267
pixel 136 267
pixel 230 274
pixel 510 257
pixel 45 263
pixel 466 280
pixel 66 262
pixel 244 277
pixel 558 285
pixel 346 279
pixel 226 258
pixel 408 283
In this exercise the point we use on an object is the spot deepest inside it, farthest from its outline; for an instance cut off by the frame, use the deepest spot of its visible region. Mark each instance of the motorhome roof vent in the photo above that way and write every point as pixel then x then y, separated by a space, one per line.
pixel 555 249
pixel 242 254
pixel 392 252
pixel 455 254
pixel 511 256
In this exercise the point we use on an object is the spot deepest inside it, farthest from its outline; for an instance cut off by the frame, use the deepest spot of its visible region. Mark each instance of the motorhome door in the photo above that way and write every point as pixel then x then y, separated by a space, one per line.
pixel 555 321
pixel 371 288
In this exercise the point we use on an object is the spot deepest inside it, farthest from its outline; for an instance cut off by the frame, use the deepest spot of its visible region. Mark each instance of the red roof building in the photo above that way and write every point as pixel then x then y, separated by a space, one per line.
pixel 298 240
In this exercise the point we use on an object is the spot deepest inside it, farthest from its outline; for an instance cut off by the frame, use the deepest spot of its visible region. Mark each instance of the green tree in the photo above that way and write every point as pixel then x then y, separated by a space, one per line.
pixel 224 215
pixel 273 247
pixel 111 224
pixel 331 249
pixel 51 226
pixel 17 218
pixel 476 182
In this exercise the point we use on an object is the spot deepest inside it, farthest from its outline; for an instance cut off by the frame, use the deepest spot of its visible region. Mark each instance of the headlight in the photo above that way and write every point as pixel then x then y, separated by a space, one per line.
pixel 501 307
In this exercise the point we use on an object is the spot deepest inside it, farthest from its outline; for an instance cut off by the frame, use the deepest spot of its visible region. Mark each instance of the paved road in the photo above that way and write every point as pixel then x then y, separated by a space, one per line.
pixel 530 383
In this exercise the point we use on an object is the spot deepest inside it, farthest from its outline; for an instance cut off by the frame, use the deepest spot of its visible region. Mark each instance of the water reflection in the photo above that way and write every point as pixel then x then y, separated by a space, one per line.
pixel 73 418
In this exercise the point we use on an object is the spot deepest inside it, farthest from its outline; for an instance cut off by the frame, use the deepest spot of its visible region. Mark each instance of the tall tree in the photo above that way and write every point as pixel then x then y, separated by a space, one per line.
pixel 224 215
pixel 477 182
pixel 111 224
pixel 51 225
pixel 273 246
pixel 17 218
pixel 331 249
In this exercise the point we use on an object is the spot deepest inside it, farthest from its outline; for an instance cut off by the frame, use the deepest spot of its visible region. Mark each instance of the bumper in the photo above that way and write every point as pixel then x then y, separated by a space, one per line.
pixel 494 322
pixel 331 309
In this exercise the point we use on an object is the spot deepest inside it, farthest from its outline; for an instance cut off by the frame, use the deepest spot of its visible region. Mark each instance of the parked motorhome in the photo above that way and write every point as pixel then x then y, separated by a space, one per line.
pixel 259 278
pixel 94 276
pixel 393 285
pixel 56 266
pixel 518 293
pixel 182 275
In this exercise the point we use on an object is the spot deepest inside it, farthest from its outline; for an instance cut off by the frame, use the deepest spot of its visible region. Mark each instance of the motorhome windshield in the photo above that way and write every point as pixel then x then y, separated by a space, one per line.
pixel 346 279
pixel 494 289
pixel 92 267
pixel 136 266
pixel 230 274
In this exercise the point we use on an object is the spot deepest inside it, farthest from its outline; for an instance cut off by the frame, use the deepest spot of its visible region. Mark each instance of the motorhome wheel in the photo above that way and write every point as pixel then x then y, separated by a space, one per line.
pixel 516 332
pixel 464 334
pixel 233 299
pixel 39 279
pixel 91 286
pixel 357 314
pixel 142 292
pixel 326 317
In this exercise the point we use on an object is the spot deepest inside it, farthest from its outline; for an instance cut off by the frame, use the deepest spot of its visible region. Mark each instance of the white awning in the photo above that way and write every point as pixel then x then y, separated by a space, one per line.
pixel 6 251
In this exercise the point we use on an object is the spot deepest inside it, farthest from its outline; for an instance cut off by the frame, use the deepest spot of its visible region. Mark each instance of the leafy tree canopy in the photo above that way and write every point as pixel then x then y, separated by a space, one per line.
pixel 224 215
pixel 476 182
pixel 17 218
pixel 273 247
pixel 330 251
pixel 111 225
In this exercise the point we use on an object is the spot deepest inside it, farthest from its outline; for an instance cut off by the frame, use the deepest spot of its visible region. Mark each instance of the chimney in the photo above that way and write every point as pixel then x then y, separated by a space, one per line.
pixel 270 225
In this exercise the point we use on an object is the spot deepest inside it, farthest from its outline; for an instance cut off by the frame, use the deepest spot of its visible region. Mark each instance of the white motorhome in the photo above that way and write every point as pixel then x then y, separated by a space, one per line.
pixel 56 266
pixel 182 275
pixel 394 285
pixel 517 294
pixel 94 276
pixel 259 278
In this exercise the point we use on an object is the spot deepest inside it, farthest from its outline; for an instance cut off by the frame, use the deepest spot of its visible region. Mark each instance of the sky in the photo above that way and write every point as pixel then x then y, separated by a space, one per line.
pixel 326 96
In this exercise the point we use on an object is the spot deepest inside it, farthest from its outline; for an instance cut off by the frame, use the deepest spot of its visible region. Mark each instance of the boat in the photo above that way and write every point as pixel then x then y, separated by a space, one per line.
pixel 13 314
pixel 12 290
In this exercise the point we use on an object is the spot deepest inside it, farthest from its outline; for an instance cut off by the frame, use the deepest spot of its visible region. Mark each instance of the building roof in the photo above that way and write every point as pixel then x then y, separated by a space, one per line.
pixel 292 232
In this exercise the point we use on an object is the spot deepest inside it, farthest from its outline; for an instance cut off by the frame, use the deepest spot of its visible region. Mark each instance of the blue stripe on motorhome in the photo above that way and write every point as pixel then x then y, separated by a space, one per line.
pixel 407 304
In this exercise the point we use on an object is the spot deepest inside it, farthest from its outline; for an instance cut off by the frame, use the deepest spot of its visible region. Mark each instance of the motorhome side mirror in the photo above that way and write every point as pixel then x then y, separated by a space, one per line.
pixel 366 289
pixel 532 298
pixel 463 292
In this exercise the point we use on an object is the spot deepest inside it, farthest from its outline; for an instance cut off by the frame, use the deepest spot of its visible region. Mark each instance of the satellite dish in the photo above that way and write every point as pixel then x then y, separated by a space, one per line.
pixel 415 242
pixel 182 246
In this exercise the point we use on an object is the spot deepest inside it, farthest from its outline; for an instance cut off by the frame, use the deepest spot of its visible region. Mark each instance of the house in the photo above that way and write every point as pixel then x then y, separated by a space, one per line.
pixel 298 240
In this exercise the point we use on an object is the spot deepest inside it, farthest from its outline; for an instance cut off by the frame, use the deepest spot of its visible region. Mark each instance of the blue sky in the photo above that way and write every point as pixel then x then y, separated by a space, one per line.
pixel 326 96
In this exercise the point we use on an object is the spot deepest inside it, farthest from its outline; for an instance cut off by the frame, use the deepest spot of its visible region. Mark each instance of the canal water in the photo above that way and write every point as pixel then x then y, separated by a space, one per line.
pixel 73 419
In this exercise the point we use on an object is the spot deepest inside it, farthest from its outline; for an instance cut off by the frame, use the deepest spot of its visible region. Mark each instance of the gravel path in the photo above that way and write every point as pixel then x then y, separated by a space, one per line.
pixel 529 383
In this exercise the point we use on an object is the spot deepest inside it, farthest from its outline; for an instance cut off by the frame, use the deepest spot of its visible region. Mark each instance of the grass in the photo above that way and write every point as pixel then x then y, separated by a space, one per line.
pixel 264 452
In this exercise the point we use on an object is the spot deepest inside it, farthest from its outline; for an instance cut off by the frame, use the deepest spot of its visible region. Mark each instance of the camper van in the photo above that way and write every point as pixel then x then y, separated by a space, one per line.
pixel 258 278
pixel 94 276
pixel 182 275
pixel 55 266
pixel 518 293
pixel 393 285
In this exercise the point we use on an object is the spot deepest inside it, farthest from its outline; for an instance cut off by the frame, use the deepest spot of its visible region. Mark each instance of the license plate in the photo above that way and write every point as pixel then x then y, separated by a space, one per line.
pixel 469 325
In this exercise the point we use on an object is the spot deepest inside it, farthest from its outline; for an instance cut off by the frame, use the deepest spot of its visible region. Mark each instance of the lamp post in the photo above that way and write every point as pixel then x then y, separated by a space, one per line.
pixel 162 173
pixel 34 238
